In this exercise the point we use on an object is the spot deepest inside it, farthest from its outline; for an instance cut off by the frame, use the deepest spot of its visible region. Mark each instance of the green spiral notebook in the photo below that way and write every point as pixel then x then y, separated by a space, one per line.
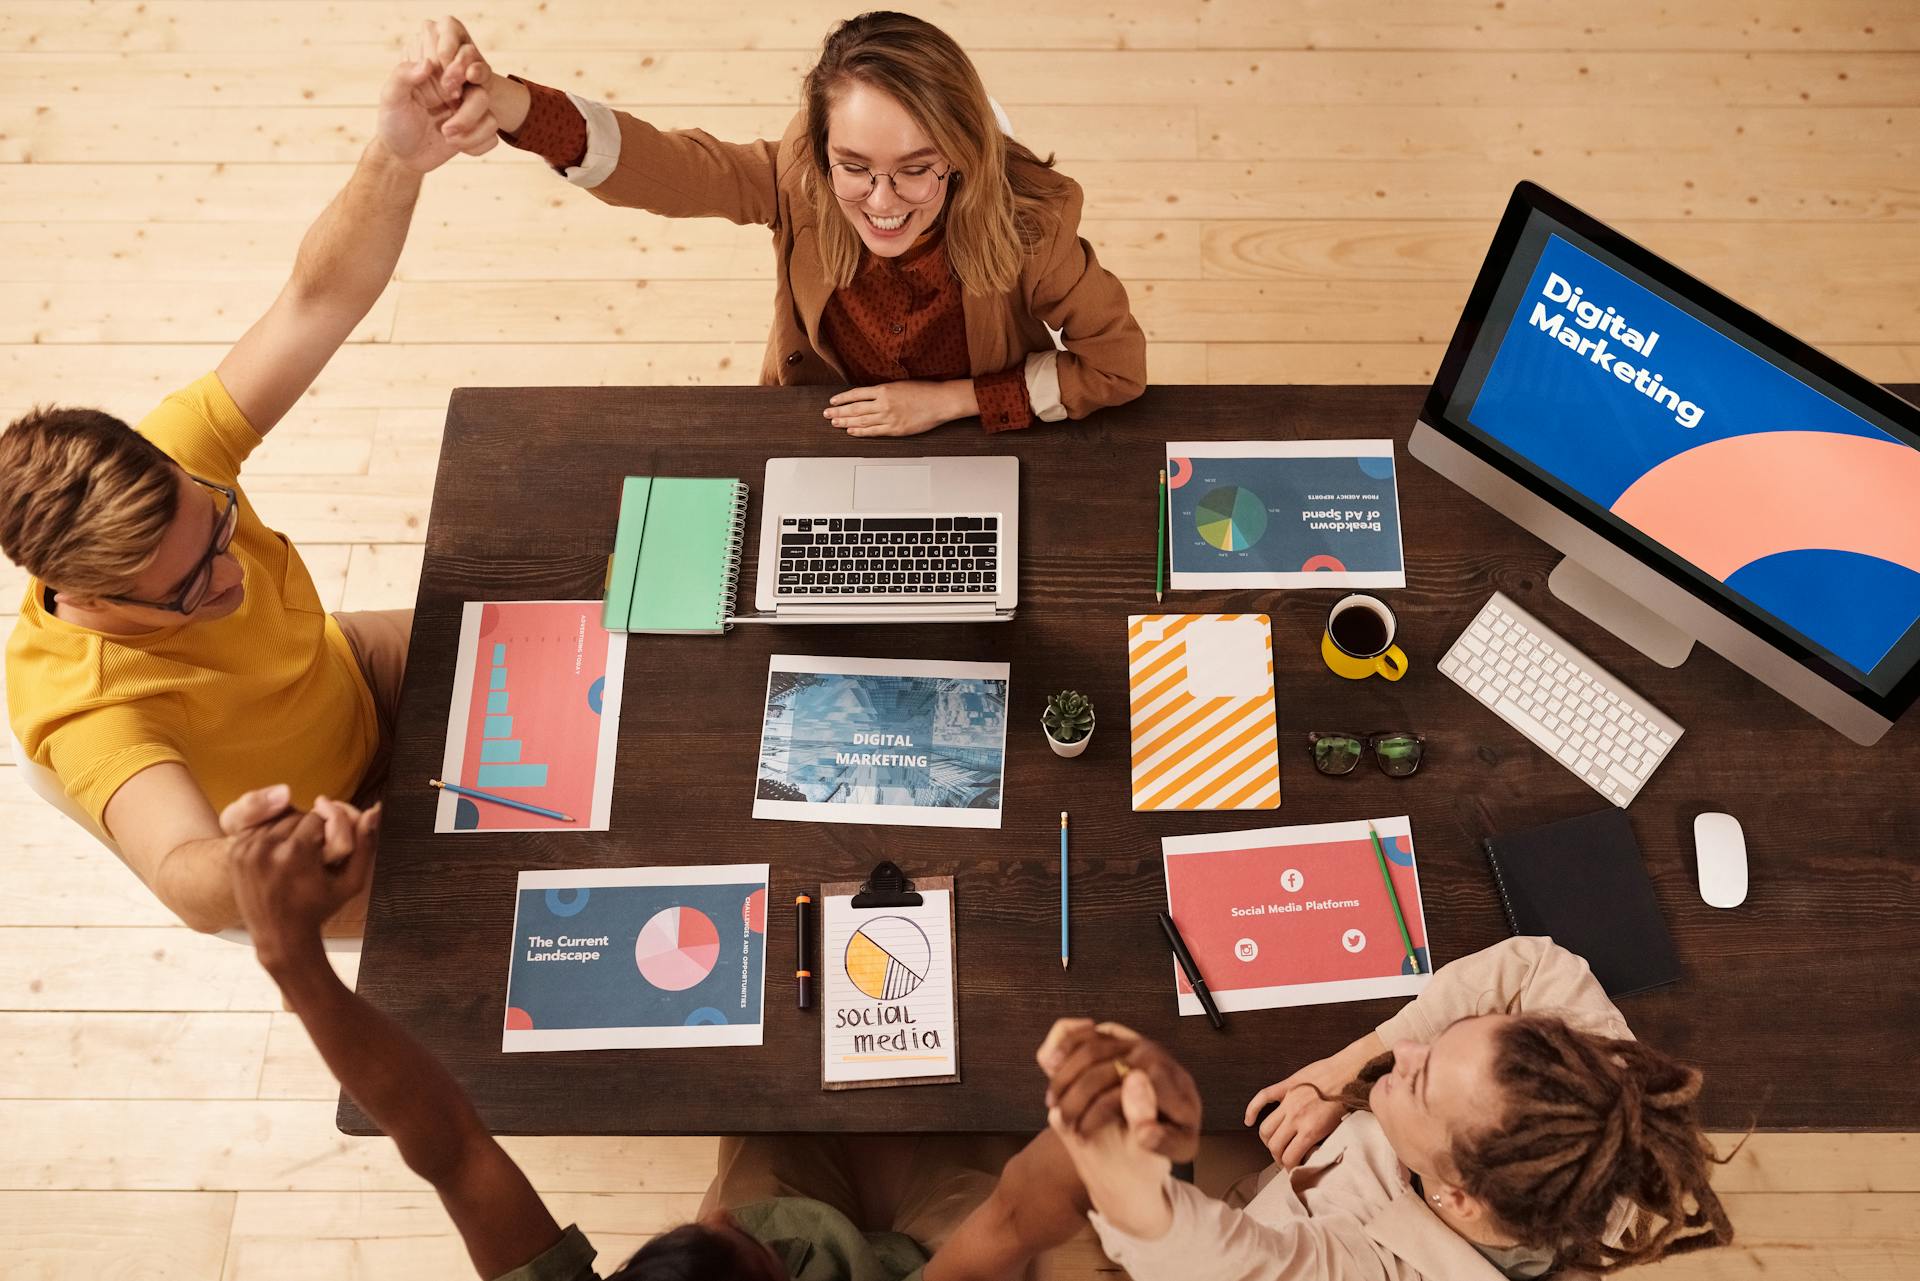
pixel 676 555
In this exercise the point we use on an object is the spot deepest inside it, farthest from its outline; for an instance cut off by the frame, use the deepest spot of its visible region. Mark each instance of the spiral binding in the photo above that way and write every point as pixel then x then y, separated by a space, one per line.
pixel 1500 884
pixel 736 543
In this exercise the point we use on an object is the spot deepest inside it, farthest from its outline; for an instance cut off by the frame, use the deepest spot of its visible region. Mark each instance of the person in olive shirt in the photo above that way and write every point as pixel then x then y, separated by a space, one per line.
pixel 286 888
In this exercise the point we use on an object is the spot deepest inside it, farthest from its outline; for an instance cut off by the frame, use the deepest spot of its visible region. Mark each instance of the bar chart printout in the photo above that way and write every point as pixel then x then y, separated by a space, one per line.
pixel 534 718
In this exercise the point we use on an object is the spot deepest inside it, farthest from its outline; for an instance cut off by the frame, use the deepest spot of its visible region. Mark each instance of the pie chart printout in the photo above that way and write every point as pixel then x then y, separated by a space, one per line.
pixel 677 948
pixel 888 957
pixel 1231 518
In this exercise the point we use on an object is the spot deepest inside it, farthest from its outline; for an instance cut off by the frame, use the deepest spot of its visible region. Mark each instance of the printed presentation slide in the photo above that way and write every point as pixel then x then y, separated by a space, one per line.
pixel 1280 514
pixel 637 958
pixel 875 740
pixel 1787 498
pixel 1299 915
pixel 535 717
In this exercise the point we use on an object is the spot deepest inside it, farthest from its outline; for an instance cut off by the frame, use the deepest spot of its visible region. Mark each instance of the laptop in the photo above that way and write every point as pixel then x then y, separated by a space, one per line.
pixel 889 540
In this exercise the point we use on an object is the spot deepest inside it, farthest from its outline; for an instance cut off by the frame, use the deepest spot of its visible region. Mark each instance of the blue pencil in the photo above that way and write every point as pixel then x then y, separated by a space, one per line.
pixel 1063 889
pixel 508 801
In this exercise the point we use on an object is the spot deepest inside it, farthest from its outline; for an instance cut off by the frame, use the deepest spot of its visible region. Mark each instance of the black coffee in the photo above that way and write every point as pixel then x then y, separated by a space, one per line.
pixel 1359 631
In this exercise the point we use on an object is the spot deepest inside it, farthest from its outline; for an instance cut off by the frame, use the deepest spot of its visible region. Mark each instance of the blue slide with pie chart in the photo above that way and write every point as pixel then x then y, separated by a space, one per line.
pixel 637 956
pixel 1298 520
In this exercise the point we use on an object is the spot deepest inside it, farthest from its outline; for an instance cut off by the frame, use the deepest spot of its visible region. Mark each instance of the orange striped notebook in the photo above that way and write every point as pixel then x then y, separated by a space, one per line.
pixel 1200 694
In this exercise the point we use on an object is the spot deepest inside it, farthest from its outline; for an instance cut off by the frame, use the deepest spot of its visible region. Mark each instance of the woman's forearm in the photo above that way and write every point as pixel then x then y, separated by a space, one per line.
pixel 510 102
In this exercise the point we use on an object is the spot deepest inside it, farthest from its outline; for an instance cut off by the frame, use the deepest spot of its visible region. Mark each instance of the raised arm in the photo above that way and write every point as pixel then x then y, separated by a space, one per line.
pixel 286 888
pixel 621 159
pixel 1522 975
pixel 348 255
pixel 1038 1203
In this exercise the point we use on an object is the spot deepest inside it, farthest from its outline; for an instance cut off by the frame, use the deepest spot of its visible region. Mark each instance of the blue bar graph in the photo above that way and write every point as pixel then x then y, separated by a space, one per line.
pixel 500 767
pixel 512 776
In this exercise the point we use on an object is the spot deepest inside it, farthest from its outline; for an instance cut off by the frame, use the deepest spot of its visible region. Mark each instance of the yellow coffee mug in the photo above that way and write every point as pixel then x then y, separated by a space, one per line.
pixel 1358 642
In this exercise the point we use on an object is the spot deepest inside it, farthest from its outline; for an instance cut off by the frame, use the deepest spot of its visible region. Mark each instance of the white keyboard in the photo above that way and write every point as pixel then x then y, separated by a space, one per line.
pixel 1570 706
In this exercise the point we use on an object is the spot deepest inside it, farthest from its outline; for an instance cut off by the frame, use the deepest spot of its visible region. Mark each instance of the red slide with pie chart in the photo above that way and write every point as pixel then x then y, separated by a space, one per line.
pixel 677 948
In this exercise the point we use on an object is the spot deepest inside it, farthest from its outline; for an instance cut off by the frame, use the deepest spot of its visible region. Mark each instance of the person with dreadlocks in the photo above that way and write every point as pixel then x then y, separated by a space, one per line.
pixel 1505 1124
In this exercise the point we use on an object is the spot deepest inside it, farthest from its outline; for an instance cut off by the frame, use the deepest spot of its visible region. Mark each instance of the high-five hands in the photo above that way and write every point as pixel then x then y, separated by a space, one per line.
pixel 1125 1110
pixel 293 871
pixel 438 102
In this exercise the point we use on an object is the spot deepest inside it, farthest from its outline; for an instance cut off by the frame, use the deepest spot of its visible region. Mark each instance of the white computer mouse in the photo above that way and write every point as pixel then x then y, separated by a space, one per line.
pixel 1721 849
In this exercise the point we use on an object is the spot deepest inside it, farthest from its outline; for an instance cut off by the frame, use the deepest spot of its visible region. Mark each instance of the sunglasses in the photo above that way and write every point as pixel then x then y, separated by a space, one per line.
pixel 1395 751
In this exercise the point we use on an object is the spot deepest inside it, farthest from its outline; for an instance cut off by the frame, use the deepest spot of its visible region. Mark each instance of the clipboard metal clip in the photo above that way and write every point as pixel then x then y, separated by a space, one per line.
pixel 886 886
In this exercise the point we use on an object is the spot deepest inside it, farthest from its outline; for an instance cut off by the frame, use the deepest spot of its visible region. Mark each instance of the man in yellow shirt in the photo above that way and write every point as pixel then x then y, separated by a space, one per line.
pixel 172 653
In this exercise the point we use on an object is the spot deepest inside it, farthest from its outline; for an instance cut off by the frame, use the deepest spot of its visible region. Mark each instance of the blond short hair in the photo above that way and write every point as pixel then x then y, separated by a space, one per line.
pixel 998 195
pixel 84 499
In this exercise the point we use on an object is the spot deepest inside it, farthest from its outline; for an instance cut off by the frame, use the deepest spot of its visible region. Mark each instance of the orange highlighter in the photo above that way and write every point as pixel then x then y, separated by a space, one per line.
pixel 802 976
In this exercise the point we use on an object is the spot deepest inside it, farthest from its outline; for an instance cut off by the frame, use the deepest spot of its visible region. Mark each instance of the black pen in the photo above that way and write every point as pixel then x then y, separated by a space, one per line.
pixel 802 976
pixel 1192 971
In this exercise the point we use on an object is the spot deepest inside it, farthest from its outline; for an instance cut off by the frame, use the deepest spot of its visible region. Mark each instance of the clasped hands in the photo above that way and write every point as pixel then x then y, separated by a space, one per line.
pixel 293 870
pixel 1126 1111
pixel 438 103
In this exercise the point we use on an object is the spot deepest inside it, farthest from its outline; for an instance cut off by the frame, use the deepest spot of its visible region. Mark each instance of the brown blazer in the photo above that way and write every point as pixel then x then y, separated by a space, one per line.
pixel 690 174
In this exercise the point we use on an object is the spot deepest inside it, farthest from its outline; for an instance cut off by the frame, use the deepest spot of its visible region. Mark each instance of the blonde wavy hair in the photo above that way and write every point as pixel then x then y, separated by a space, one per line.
pixel 998 194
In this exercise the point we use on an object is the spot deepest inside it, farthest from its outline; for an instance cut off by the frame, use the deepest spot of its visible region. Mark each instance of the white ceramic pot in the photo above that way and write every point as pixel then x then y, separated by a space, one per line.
pixel 1068 749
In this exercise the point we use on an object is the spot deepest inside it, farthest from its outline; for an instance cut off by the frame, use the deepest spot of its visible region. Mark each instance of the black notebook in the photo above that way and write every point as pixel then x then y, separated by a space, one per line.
pixel 1581 882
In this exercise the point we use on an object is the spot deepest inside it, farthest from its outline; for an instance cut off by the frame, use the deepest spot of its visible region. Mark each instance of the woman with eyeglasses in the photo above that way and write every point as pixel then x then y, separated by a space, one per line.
pixel 923 256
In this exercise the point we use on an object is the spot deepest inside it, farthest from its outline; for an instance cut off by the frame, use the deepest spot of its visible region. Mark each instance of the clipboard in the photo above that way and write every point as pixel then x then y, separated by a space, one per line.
pixel 886 887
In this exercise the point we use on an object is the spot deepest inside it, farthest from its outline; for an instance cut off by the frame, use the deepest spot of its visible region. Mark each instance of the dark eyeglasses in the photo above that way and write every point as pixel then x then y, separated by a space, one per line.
pixel 915 184
pixel 1395 751
pixel 192 592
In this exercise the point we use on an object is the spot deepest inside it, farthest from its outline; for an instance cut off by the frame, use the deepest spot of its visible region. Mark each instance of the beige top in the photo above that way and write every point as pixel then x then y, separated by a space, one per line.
pixel 1350 1213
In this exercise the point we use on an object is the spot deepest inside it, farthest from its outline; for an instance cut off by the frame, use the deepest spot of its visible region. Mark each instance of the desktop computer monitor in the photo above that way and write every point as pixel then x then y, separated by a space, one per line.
pixel 1707 475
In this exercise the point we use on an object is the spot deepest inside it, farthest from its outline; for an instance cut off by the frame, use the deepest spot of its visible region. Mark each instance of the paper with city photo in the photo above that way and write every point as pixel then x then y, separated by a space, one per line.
pixel 877 740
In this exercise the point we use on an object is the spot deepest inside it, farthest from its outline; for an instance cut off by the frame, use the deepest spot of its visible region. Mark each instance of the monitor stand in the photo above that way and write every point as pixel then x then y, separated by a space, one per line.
pixel 1619 613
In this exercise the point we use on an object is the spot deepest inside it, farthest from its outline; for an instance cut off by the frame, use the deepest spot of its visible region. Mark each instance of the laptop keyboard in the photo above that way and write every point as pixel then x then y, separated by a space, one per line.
pixel 867 557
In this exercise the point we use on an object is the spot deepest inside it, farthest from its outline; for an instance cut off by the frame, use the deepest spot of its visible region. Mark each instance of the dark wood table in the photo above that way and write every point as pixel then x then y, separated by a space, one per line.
pixel 1803 1005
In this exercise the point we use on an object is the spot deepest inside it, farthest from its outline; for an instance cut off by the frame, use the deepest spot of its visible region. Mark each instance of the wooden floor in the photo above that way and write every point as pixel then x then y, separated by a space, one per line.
pixel 1294 190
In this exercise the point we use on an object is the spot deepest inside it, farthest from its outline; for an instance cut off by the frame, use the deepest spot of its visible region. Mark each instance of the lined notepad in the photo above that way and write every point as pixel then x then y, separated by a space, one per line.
pixel 889 1008
pixel 1200 694
pixel 676 555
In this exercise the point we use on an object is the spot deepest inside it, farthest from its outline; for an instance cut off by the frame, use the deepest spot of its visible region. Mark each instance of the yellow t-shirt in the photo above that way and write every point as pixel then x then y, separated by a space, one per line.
pixel 269 694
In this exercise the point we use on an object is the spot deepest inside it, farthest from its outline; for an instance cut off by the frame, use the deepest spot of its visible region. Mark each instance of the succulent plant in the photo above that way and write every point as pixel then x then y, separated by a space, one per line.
pixel 1069 716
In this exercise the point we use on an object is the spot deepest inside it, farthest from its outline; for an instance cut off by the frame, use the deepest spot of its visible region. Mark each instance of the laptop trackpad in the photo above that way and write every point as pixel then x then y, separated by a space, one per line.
pixel 906 488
